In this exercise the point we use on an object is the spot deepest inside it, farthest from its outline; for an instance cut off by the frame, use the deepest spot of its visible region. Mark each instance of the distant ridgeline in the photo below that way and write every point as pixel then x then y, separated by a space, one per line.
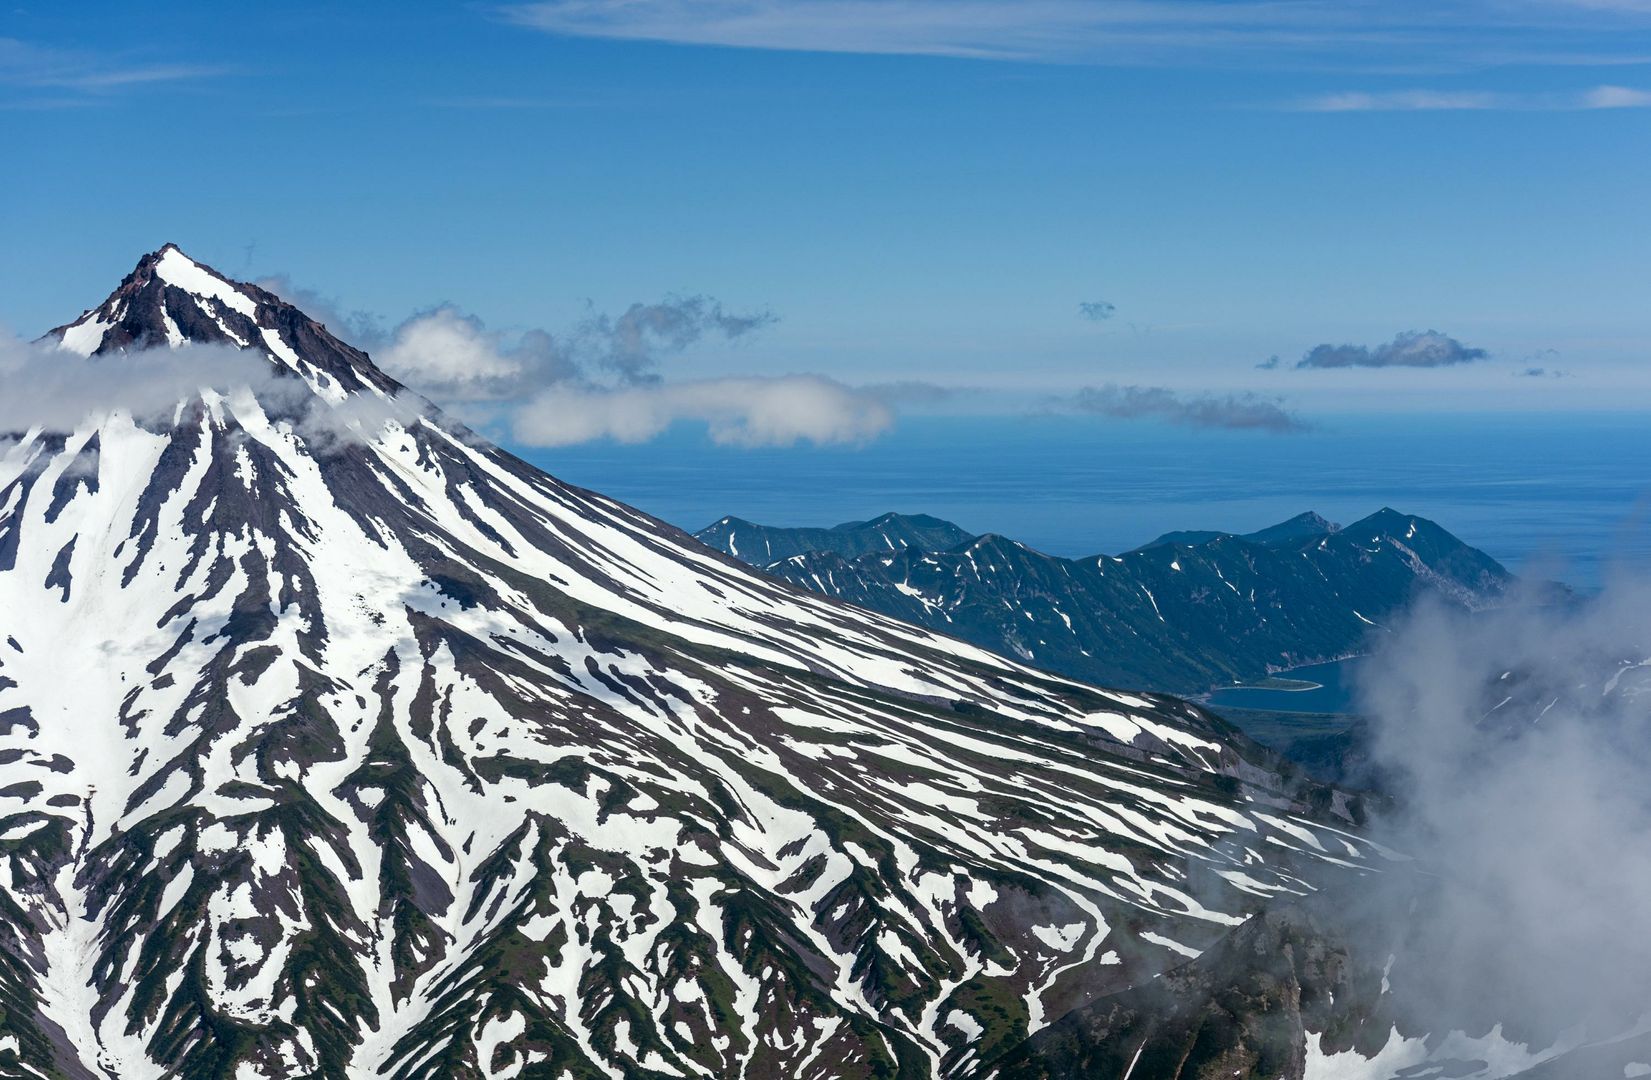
pixel 1185 613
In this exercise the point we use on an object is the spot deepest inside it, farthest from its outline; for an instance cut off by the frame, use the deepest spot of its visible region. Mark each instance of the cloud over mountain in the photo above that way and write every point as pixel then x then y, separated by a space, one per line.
pixel 604 378
pixel 50 388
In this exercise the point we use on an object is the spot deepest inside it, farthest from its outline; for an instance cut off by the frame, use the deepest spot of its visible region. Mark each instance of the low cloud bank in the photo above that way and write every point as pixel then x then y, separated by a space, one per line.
pixel 1242 412
pixel 740 411
pixel 55 390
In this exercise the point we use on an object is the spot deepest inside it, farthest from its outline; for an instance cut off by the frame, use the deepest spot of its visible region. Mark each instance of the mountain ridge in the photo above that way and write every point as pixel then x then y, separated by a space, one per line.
pixel 1304 526
pixel 1175 615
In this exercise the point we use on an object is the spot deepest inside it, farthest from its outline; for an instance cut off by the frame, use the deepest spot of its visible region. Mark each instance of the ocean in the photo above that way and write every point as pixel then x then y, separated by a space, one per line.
pixel 1556 496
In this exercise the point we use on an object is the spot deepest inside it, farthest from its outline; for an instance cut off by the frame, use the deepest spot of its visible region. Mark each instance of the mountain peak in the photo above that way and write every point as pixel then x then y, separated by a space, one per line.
pixel 1305 526
pixel 170 299
pixel 179 271
pixel 897 520
pixel 1389 520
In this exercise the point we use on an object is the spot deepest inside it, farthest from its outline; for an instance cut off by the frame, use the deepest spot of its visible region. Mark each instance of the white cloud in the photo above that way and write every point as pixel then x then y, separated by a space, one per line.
pixel 25 64
pixel 453 357
pixel 450 355
pixel 1617 97
pixel 1403 101
pixel 742 411
pixel 1599 97
pixel 1459 33
pixel 603 378
pixel 1626 7
pixel 962 28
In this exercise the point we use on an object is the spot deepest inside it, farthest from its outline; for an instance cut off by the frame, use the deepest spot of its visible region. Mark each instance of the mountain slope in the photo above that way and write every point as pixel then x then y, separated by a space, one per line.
pixel 1171 616
pixel 338 742
pixel 1512 948
pixel 1327 987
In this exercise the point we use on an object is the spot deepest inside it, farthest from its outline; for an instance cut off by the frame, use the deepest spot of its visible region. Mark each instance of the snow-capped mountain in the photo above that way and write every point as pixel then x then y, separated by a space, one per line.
pixel 1187 612
pixel 337 742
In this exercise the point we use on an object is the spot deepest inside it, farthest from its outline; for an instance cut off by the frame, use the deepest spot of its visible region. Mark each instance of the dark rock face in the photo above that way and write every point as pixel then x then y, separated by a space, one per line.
pixel 1348 982
pixel 1244 1009
pixel 1183 614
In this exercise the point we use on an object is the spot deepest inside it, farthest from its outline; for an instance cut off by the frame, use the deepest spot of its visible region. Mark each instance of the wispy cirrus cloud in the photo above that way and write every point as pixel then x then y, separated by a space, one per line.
pixel 1633 7
pixel 1598 97
pixel 53 390
pixel 974 29
pixel 1353 33
pixel 1399 101
pixel 75 77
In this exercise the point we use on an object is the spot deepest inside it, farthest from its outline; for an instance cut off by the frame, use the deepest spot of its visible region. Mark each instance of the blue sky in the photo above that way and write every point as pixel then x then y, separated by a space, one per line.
pixel 915 191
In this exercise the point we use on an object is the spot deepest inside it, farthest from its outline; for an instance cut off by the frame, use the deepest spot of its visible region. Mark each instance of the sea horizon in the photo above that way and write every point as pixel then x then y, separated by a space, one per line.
pixel 1551 496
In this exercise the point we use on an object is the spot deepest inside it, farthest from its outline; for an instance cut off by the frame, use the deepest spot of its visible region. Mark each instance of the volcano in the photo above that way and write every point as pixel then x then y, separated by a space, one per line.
pixel 336 741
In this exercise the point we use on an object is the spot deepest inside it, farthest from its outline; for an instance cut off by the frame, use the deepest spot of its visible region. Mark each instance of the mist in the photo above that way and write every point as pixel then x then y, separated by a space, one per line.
pixel 1516 744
